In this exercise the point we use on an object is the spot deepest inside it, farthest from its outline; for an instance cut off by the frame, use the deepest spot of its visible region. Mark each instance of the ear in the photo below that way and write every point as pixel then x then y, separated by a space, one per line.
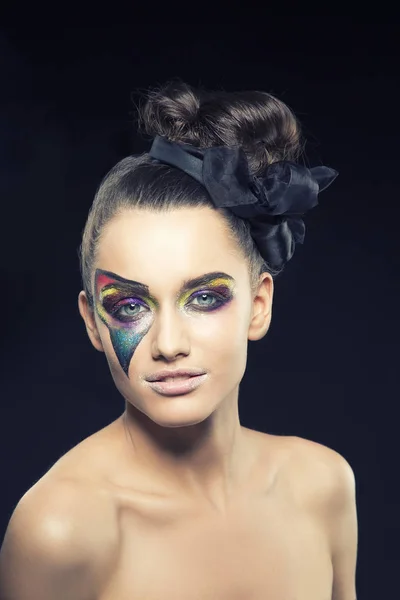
pixel 262 308
pixel 87 315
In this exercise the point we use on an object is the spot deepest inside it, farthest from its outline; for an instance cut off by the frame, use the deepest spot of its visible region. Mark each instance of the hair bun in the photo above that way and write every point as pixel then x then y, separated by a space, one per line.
pixel 172 111
pixel 262 125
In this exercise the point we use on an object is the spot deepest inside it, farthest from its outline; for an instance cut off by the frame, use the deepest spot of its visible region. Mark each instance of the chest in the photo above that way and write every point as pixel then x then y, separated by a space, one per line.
pixel 268 551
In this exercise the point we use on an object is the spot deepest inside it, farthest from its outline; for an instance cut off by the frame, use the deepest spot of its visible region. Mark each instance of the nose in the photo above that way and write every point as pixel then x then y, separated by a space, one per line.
pixel 170 334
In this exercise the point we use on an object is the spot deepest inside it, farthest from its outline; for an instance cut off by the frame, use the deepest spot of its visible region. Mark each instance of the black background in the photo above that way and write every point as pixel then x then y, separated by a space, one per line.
pixel 328 368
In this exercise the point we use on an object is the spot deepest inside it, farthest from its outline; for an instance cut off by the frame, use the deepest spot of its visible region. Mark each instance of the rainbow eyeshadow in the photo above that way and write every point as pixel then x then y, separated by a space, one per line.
pixel 117 300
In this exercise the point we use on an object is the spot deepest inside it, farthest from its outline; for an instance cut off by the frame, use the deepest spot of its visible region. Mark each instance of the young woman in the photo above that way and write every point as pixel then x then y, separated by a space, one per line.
pixel 176 499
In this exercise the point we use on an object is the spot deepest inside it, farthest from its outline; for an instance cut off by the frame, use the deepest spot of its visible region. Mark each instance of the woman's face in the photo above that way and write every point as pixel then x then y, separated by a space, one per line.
pixel 150 313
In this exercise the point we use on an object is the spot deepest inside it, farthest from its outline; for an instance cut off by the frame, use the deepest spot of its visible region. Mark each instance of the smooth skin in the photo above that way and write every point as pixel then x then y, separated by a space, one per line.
pixel 64 538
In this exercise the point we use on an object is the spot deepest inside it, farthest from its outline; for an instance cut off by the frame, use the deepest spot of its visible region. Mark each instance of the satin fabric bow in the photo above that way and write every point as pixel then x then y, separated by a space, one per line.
pixel 272 204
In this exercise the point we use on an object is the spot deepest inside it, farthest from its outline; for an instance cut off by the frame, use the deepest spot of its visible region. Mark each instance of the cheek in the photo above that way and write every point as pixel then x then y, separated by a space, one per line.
pixel 224 332
pixel 222 348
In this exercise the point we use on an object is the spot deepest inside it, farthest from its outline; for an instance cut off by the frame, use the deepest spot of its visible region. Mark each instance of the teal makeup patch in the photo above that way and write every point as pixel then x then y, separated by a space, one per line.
pixel 117 307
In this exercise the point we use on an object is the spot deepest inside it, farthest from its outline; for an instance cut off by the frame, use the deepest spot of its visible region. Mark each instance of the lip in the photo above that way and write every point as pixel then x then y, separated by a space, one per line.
pixel 174 373
pixel 177 388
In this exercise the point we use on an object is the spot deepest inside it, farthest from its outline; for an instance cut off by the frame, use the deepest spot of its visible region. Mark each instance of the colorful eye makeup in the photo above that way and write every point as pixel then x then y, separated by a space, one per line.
pixel 127 308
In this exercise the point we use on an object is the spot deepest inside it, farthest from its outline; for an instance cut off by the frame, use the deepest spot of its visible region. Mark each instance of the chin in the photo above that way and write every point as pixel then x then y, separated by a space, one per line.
pixel 174 412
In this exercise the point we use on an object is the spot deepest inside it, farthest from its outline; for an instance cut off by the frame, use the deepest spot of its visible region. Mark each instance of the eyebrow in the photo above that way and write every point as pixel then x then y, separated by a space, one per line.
pixel 187 284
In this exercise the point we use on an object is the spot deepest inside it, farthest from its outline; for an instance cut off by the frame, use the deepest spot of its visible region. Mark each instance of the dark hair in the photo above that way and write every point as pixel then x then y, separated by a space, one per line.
pixel 263 126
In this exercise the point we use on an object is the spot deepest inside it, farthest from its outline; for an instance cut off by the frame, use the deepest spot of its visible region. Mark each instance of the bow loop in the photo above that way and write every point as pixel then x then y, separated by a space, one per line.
pixel 227 178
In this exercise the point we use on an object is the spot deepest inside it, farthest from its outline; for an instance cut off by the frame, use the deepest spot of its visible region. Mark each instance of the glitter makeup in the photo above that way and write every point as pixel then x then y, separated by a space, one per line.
pixel 127 308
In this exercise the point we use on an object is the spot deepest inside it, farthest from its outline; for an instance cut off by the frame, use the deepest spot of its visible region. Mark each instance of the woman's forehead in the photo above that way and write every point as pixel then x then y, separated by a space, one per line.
pixel 144 222
pixel 193 236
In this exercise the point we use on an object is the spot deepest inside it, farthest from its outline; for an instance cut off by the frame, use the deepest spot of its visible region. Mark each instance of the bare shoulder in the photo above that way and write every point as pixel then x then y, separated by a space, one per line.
pixel 61 533
pixel 325 477
pixel 318 454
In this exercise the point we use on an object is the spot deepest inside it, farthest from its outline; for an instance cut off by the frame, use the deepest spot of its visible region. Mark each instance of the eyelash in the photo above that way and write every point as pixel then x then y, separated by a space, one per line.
pixel 219 297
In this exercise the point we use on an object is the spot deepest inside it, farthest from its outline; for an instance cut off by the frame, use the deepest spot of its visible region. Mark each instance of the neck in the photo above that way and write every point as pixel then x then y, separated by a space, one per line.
pixel 208 460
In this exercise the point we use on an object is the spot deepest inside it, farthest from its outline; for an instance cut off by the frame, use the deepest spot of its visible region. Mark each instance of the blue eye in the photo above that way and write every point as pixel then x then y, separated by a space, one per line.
pixel 218 300
pixel 209 296
pixel 128 309
pixel 127 312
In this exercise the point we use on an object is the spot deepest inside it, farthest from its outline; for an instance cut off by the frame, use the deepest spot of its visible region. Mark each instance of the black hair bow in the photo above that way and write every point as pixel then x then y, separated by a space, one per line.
pixel 272 204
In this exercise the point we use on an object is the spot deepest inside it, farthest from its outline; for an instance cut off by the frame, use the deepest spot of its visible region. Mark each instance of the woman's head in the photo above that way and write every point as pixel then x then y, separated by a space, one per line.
pixel 152 224
pixel 263 126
